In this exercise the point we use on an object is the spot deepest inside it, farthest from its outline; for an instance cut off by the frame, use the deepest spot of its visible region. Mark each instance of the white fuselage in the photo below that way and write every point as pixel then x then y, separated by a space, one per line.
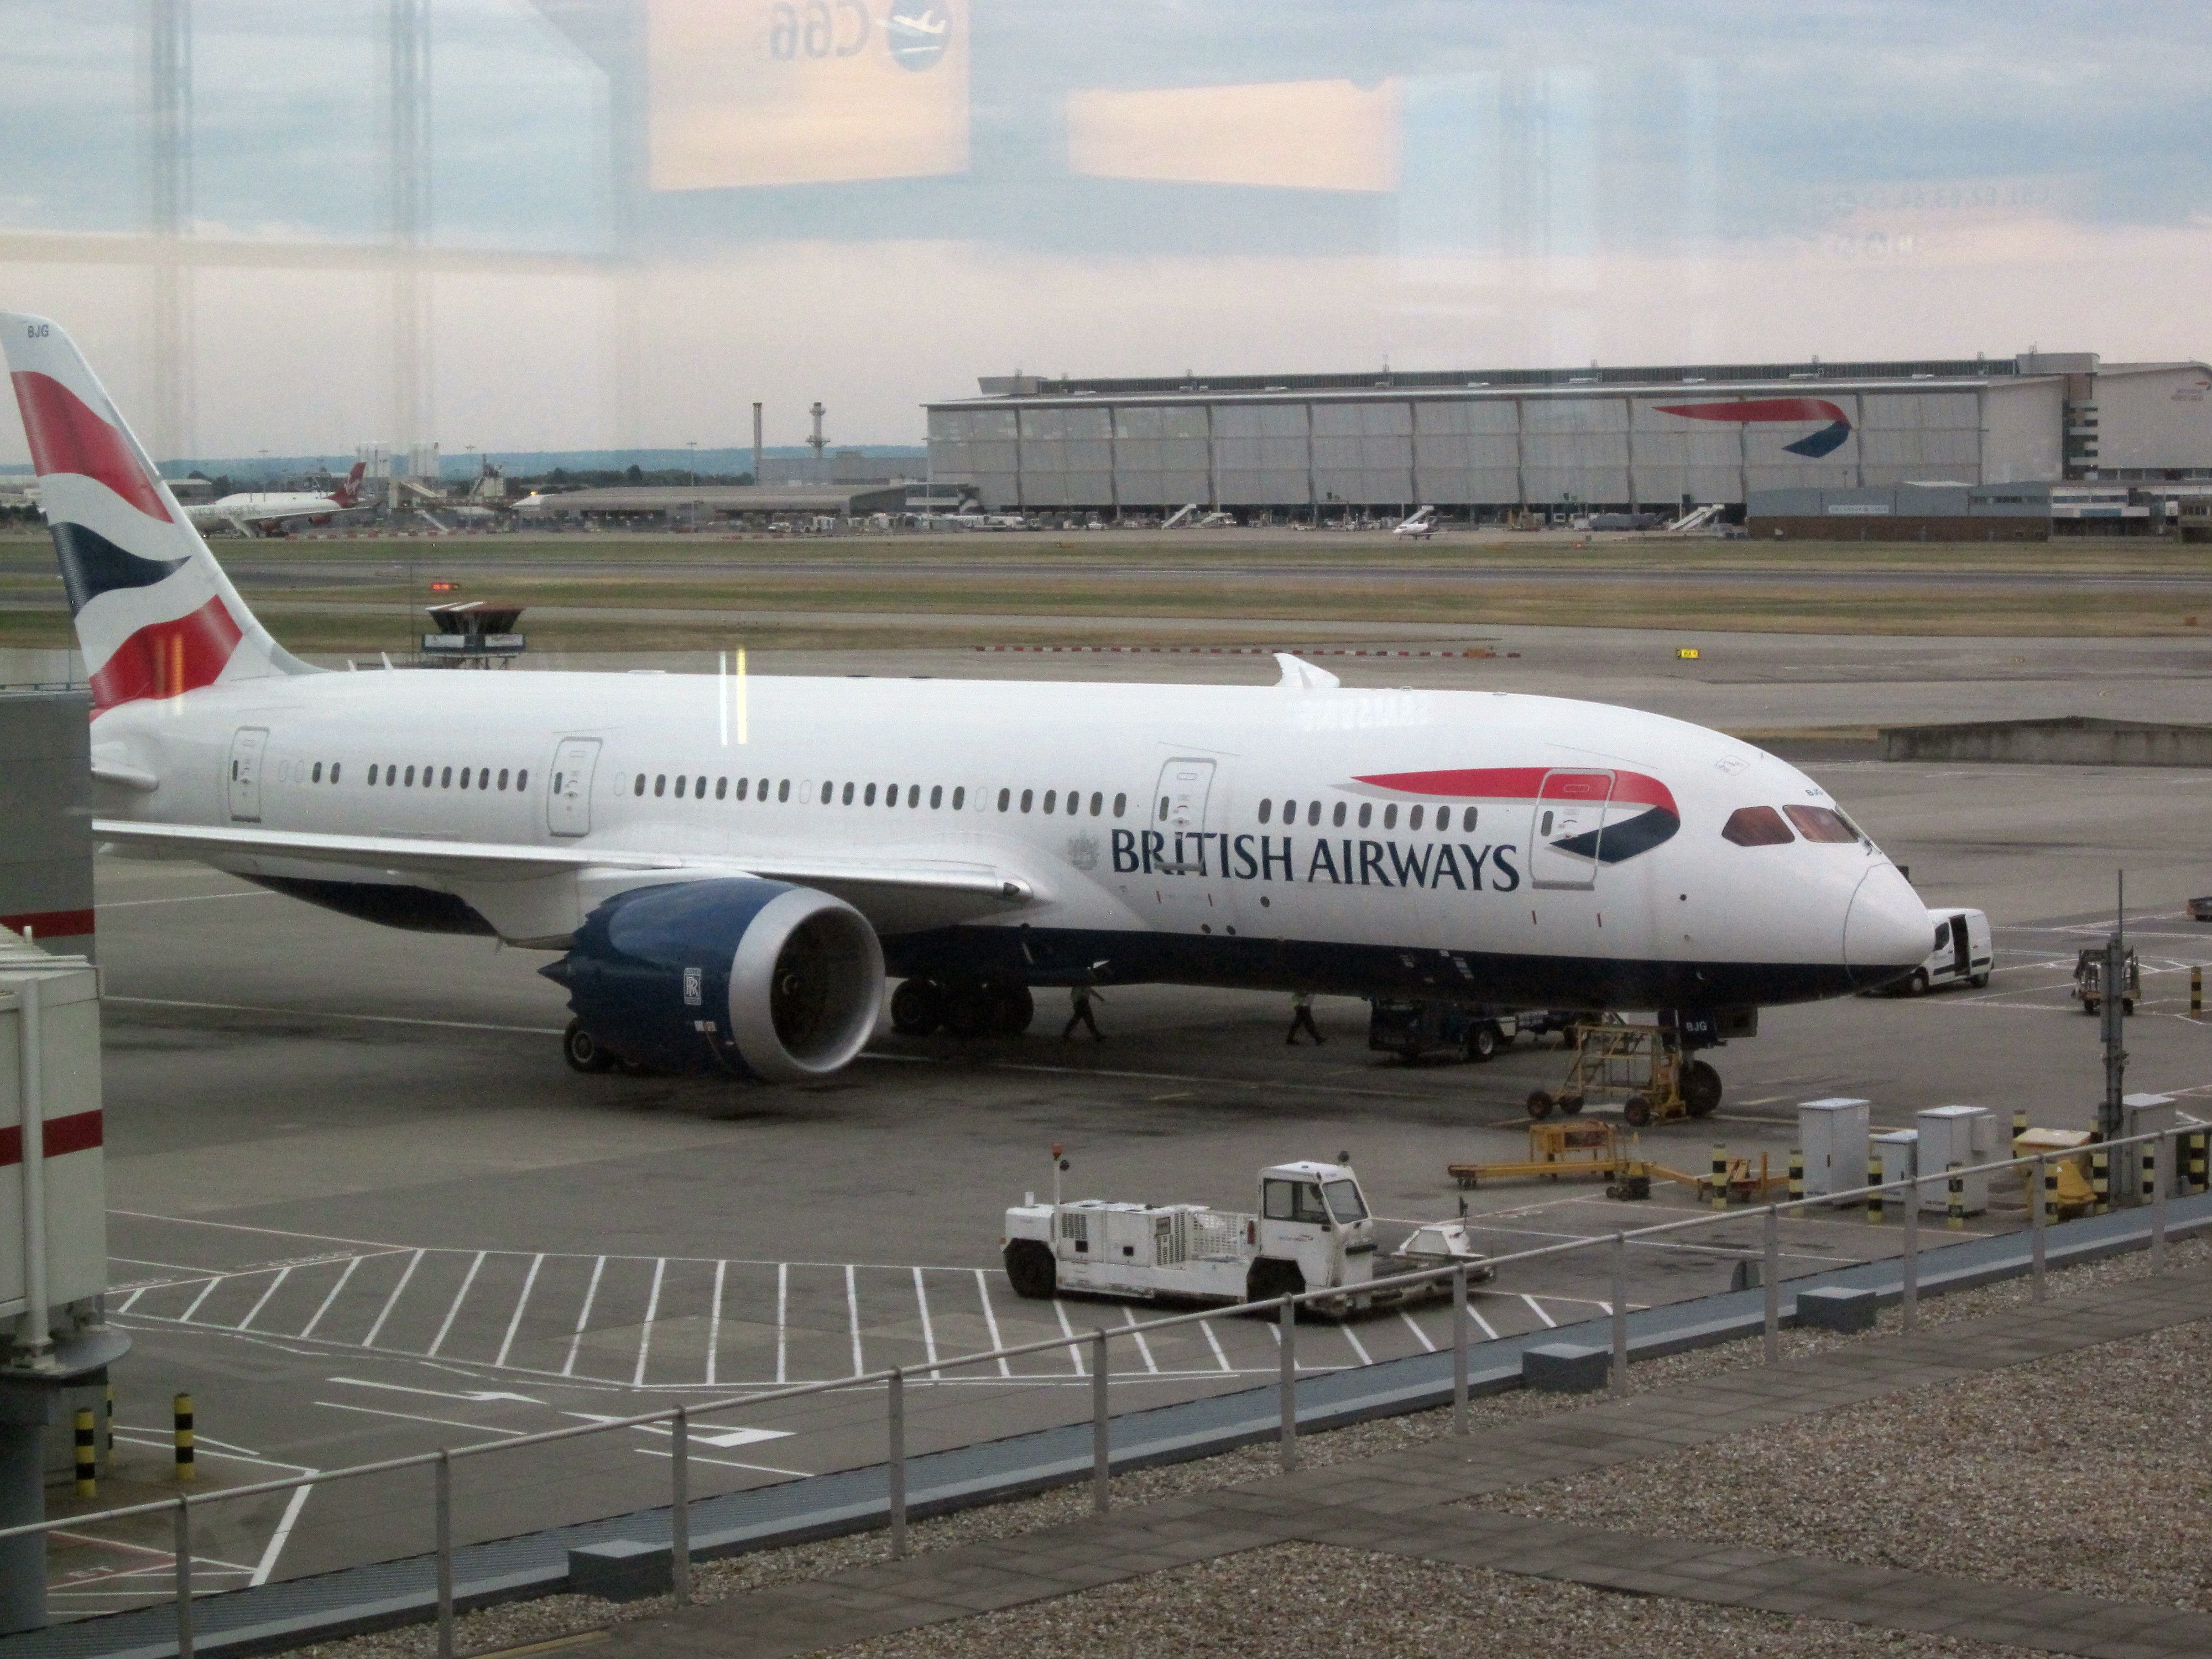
pixel 1148 820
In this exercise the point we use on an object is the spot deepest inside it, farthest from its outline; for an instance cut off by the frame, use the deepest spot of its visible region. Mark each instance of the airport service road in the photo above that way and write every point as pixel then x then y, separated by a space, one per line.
pixel 362 1209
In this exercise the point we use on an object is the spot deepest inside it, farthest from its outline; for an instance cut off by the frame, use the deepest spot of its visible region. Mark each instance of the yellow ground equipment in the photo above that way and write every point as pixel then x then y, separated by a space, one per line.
pixel 1642 1066
pixel 1602 1151
pixel 2072 1193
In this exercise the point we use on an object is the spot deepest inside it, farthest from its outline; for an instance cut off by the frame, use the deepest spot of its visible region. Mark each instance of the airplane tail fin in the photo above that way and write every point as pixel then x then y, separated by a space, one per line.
pixel 350 492
pixel 155 615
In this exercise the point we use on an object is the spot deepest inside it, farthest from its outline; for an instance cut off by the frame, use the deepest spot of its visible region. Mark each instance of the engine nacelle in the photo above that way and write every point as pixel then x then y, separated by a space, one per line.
pixel 760 977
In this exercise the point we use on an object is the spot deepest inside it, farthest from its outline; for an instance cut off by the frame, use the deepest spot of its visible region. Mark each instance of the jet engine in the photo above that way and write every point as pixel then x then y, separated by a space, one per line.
pixel 758 978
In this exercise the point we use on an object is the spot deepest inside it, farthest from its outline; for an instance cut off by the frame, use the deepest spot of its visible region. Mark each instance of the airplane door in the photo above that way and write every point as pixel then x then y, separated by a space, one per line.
pixel 1567 828
pixel 1186 872
pixel 246 749
pixel 568 800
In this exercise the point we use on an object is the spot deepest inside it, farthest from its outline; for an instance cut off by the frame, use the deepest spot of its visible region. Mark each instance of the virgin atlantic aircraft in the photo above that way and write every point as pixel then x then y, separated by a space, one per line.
pixel 726 868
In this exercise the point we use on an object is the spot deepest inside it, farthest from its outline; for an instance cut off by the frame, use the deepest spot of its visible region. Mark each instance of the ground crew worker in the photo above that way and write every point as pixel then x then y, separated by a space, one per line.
pixel 1079 999
pixel 1302 1019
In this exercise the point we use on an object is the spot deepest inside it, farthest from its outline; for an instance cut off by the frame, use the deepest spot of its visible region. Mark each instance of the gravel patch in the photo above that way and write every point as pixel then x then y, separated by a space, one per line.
pixel 547 1617
pixel 1328 1603
pixel 2079 1472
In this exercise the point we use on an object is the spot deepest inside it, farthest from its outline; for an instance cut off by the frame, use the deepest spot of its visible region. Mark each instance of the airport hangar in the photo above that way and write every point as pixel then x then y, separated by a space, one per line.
pixel 1482 444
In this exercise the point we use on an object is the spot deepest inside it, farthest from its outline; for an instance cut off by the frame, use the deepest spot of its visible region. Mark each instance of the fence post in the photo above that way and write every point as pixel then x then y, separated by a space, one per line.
pixel 445 1489
pixel 1459 1349
pixel 2157 1175
pixel 183 1546
pixel 679 1505
pixel 1910 1301
pixel 1102 1471
pixel 1289 1374
pixel 1771 1281
pixel 1619 1378
pixel 2038 1216
pixel 895 1398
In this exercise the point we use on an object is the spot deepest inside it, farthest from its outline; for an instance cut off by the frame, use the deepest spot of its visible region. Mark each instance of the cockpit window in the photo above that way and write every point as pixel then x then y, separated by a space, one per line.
pixel 1821 823
pixel 1344 1201
pixel 1756 826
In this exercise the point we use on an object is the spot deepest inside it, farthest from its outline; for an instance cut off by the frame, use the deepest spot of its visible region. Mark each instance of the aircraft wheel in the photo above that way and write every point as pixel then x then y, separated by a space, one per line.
pixel 1636 1111
pixel 1030 1270
pixel 1571 1104
pixel 1483 1041
pixel 917 1008
pixel 584 1051
pixel 1013 1008
pixel 1701 1089
pixel 967 1010
pixel 1540 1104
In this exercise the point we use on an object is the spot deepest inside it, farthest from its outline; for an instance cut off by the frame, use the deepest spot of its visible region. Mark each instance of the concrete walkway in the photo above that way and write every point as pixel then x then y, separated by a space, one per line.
pixel 1411 1503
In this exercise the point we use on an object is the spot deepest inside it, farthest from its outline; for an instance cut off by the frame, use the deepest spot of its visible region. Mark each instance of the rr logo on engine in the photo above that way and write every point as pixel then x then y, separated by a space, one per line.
pixel 693 995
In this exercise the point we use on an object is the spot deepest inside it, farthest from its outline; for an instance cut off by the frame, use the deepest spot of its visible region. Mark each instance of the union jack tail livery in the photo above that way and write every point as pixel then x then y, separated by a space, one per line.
pixel 155 615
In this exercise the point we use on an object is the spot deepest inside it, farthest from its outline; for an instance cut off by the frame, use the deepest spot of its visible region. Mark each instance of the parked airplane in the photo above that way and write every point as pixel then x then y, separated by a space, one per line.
pixel 1420 526
pixel 728 867
pixel 268 512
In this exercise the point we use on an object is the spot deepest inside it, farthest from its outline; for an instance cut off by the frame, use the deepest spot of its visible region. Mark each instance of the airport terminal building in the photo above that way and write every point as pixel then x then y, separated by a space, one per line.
pixel 1484 443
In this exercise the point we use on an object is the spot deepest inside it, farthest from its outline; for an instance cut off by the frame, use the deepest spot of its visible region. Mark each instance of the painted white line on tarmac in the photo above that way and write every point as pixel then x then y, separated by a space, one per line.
pixel 454 1311
pixel 1075 1349
pixel 1537 1308
pixel 327 1300
pixel 279 1538
pixel 1144 1348
pixel 645 1331
pixel 714 1321
pixel 521 1302
pixel 990 1318
pixel 393 1301
pixel 782 1309
pixel 1419 1335
pixel 852 1319
pixel 1213 1342
pixel 275 1285
pixel 441 1422
pixel 583 1317
pixel 1358 1346
pixel 928 1330
pixel 1489 1331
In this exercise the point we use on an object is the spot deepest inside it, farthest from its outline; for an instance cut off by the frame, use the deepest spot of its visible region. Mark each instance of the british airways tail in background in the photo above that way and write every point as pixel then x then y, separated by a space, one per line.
pixel 727 869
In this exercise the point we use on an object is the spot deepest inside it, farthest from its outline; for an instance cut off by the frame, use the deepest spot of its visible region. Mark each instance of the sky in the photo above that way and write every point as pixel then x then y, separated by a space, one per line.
pixel 625 221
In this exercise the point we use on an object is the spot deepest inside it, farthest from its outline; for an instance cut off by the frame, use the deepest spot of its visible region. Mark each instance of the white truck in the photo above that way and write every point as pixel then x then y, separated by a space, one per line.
pixel 1314 1232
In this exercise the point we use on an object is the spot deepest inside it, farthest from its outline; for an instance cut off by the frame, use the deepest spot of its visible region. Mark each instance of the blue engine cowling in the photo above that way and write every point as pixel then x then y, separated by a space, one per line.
pixel 783 983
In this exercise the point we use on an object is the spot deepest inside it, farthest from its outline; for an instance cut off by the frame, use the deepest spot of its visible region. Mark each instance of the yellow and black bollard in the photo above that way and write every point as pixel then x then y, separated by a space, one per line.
pixel 1874 1181
pixel 2196 994
pixel 88 1454
pixel 1954 1211
pixel 2196 1160
pixel 1797 1174
pixel 2049 1190
pixel 184 1408
pixel 1720 1176
pixel 2101 1181
pixel 2149 1188
pixel 2018 1124
pixel 107 1427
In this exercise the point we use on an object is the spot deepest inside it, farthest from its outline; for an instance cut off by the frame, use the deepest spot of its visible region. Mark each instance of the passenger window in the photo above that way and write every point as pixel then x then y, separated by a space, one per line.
pixel 680 782
pixel 317 776
pixel 1121 804
pixel 1028 797
pixel 1820 823
pixel 661 785
pixel 1756 826
pixel 1290 812
pixel 503 777
pixel 1050 797
pixel 959 798
pixel 522 779
pixel 1267 810
pixel 699 787
pixel 913 795
pixel 446 782
pixel 1414 820
pixel 744 784
pixel 1366 814
pixel 483 777
pixel 1164 809
pixel 1097 802
pixel 1313 812
pixel 1444 818
pixel 1337 816
pixel 783 790
pixel 1005 795
pixel 1943 934
pixel 372 775
pixel 1546 828
pixel 464 777
pixel 869 800
pixel 849 793
pixel 638 790
pixel 936 796
pixel 721 789
pixel 1390 815
pixel 411 777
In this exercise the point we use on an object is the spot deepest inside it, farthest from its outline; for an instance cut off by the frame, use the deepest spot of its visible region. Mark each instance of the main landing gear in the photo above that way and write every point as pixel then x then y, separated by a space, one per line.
pixel 962 1007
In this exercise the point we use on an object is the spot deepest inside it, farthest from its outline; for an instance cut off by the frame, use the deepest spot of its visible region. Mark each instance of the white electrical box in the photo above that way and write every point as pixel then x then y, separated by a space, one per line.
pixel 2142 1114
pixel 69 1161
pixel 1900 1152
pixel 1964 1135
pixel 1833 1135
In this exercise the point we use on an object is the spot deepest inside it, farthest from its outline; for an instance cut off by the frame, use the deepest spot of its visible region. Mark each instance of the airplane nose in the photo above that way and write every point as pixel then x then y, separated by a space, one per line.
pixel 1887 929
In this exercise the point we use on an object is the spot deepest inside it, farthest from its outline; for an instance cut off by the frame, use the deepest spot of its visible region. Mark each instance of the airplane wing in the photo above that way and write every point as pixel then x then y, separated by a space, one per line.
pixel 895 895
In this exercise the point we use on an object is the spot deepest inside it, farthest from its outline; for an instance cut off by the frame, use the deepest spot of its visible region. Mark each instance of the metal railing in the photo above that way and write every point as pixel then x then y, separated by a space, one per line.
pixel 2162 1170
